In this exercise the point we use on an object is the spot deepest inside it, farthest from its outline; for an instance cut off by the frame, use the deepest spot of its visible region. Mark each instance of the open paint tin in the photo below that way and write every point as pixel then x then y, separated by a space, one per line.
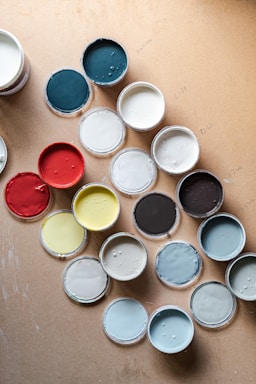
pixel 133 171
pixel 67 93
pixel 141 105
pixel 123 256
pixel 125 321
pixel 105 62
pixel 84 280
pixel 155 215
pixel 14 64
pixel 213 305
pixel 241 276
pixel 27 196
pixel 175 149
pixel 200 193
pixel 101 131
pixel 3 154
pixel 222 237
pixel 61 165
pixel 61 235
pixel 170 329
pixel 178 264
pixel 96 207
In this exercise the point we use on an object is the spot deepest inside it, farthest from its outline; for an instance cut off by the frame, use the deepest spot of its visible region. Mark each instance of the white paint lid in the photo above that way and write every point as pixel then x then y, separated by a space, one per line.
pixel 101 131
pixel 84 280
pixel 133 171
pixel 212 304
pixel 123 256
pixel 125 320
pixel 175 149
pixel 12 59
pixel 3 154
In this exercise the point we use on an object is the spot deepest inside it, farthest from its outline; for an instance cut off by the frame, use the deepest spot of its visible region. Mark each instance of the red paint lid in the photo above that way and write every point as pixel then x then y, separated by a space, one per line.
pixel 61 165
pixel 27 196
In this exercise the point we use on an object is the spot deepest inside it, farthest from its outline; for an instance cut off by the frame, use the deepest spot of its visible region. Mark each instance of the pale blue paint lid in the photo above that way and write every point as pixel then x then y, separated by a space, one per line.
pixel 170 329
pixel 222 237
pixel 125 320
pixel 178 264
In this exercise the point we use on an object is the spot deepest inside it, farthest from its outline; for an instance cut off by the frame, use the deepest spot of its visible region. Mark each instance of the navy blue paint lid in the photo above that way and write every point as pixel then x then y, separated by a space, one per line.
pixel 67 92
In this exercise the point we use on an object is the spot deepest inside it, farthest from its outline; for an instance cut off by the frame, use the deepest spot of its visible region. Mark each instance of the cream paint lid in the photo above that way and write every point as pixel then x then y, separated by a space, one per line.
pixel 3 154
pixel 84 280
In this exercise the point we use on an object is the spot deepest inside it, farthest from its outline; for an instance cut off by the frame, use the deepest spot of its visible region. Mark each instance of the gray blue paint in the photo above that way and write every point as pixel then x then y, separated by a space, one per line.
pixel 105 62
pixel 222 237
pixel 67 91
pixel 178 263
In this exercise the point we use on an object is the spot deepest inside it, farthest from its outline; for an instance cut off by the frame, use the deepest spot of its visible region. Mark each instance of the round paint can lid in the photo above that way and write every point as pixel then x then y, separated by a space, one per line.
pixel 178 264
pixel 84 280
pixel 125 320
pixel 133 171
pixel 105 62
pixel 101 131
pixel 61 235
pixel 123 256
pixel 213 305
pixel 67 92
pixel 156 215
pixel 3 154
pixel 222 237
pixel 27 196
pixel 170 329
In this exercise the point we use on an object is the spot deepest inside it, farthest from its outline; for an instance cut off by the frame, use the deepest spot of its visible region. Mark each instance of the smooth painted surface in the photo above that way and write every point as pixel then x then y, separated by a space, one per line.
pixel 241 277
pixel 101 131
pixel 212 304
pixel 3 154
pixel 95 207
pixel 175 149
pixel 141 105
pixel 61 235
pixel 125 320
pixel 178 263
pixel 170 329
pixel 12 58
pixel 84 280
pixel 222 237
pixel 123 256
pixel 133 171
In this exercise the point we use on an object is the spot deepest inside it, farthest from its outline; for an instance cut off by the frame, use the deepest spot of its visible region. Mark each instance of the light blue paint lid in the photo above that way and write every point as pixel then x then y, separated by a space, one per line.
pixel 222 237
pixel 170 329
pixel 105 62
pixel 178 264
pixel 125 320
pixel 67 92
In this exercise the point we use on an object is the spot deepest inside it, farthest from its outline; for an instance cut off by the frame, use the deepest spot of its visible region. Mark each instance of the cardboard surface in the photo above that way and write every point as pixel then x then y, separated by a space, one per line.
pixel 202 56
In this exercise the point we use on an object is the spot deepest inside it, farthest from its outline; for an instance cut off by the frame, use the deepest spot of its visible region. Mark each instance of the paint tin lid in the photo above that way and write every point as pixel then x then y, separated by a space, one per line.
pixel 156 215
pixel 101 131
pixel 141 105
pixel 170 329
pixel 241 276
pixel 96 207
pixel 61 235
pixel 125 321
pixel 213 305
pixel 67 92
pixel 200 193
pixel 222 237
pixel 84 280
pixel 123 256
pixel 175 149
pixel 178 264
pixel 105 62
pixel 133 171
pixel 12 59
pixel 3 154
pixel 61 165
pixel 27 196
